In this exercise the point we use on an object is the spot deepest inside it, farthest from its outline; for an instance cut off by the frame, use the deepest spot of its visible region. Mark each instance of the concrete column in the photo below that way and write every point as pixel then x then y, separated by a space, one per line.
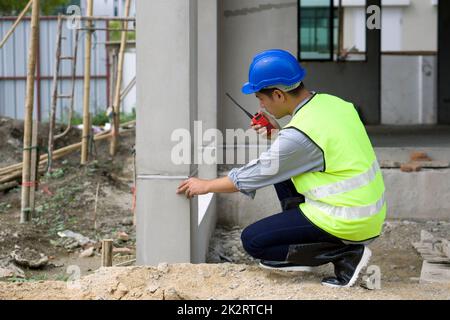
pixel 203 226
pixel 166 101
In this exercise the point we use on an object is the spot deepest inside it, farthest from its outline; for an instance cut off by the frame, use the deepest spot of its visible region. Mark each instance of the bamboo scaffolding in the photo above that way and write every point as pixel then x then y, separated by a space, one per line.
pixel 74 74
pixel 87 90
pixel 97 18
pixel 29 103
pixel 54 92
pixel 12 171
pixel 16 23
pixel 116 104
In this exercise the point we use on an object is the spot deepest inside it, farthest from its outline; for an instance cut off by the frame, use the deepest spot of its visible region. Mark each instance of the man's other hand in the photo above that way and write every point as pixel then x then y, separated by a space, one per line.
pixel 193 187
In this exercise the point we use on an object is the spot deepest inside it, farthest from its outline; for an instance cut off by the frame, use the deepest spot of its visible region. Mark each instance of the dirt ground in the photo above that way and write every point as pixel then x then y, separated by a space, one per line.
pixel 66 200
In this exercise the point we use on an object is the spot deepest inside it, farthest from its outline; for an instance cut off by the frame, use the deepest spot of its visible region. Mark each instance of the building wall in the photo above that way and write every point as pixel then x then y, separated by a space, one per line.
pixel 420 26
pixel 248 27
pixel 408 90
pixel 408 94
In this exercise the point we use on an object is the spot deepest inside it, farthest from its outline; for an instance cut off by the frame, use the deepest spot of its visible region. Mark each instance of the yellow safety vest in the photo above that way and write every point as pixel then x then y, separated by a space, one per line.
pixel 346 199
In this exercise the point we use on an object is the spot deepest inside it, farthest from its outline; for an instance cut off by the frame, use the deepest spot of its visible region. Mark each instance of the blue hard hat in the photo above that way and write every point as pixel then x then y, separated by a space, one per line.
pixel 273 67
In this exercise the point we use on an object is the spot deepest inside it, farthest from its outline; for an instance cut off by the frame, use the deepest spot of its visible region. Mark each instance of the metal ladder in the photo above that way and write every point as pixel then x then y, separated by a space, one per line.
pixel 57 96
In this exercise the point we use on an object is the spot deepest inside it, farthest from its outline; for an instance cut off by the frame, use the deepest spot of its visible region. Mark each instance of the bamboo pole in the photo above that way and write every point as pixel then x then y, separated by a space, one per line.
pixel 8 186
pixel 97 18
pixel 116 104
pixel 34 171
pixel 87 89
pixel 29 102
pixel 16 23
pixel 51 134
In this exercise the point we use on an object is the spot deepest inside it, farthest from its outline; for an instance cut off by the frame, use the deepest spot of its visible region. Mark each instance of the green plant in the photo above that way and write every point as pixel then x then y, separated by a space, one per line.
pixel 116 35
pixel 4 207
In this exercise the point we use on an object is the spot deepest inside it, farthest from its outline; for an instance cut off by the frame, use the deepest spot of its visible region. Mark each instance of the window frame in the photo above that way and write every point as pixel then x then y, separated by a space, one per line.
pixel 332 58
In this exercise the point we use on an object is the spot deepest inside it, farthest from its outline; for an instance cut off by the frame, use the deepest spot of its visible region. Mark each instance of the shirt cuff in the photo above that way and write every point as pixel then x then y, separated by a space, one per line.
pixel 233 176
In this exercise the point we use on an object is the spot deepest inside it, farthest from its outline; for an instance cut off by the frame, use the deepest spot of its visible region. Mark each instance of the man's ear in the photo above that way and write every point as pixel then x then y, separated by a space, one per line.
pixel 279 94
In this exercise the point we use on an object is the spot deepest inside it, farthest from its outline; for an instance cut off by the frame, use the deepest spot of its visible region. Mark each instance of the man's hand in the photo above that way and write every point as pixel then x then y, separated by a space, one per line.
pixel 263 130
pixel 193 187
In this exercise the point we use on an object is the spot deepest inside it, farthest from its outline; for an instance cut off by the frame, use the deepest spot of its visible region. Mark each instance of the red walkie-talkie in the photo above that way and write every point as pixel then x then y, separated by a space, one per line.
pixel 258 118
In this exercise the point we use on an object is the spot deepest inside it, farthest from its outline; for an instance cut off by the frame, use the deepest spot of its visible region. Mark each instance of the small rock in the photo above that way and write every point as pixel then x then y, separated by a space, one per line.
pixel 172 294
pixel 123 236
pixel 122 289
pixel 234 286
pixel 241 268
pixel 412 268
pixel 152 287
pixel 87 253
pixel 163 267
pixel 29 258
pixel 127 222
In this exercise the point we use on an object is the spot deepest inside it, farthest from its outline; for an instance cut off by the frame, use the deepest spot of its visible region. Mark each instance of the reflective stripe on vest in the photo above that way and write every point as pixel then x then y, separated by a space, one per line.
pixel 345 185
pixel 348 213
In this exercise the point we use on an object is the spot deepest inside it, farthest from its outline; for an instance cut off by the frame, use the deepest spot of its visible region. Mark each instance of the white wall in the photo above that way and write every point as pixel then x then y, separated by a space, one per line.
pixel 129 72
pixel 408 90
pixel 420 26
pixel 246 29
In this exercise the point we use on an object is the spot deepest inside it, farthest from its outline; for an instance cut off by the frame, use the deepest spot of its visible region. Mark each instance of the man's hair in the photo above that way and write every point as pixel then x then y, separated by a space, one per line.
pixel 295 92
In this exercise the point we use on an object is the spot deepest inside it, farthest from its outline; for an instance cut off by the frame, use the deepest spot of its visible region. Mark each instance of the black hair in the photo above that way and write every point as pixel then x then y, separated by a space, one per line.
pixel 295 92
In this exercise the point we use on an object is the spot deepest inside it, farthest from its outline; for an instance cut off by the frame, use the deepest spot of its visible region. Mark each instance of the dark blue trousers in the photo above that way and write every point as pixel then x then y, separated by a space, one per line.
pixel 270 238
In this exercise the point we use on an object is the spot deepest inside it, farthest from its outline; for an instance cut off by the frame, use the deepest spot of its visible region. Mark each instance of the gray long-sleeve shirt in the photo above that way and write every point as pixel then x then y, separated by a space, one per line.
pixel 294 154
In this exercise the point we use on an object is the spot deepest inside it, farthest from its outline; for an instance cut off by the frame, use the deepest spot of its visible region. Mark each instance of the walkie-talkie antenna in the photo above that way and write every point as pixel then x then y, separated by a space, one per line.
pixel 235 102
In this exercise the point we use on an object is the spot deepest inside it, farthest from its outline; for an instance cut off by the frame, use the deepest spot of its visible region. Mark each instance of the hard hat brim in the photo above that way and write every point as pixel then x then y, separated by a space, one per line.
pixel 248 88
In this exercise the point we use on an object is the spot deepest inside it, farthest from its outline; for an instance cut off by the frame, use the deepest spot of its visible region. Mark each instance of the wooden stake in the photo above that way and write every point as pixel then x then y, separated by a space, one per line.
pixel 116 104
pixel 87 89
pixel 28 123
pixel 107 248
pixel 16 23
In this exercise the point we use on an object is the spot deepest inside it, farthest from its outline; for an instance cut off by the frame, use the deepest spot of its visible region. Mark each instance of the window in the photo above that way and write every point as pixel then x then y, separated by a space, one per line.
pixel 329 32
pixel 318 29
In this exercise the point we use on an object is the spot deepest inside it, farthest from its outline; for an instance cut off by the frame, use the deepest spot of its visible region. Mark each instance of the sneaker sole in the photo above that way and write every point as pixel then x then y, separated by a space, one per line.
pixel 288 269
pixel 363 263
